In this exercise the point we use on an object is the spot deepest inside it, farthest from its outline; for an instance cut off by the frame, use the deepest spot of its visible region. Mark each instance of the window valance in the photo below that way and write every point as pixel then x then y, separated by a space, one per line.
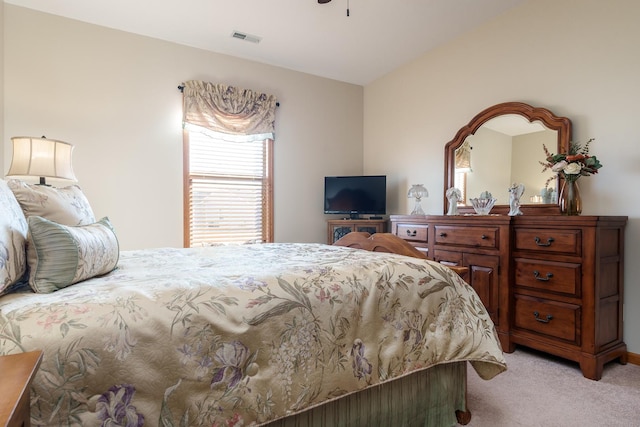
pixel 227 109
pixel 463 157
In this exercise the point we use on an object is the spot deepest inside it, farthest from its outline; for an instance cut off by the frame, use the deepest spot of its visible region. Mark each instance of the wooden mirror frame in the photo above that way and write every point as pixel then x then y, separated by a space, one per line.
pixel 560 124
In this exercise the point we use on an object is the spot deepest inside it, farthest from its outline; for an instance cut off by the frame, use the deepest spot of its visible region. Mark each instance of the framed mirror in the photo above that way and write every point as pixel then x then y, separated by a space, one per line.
pixel 502 145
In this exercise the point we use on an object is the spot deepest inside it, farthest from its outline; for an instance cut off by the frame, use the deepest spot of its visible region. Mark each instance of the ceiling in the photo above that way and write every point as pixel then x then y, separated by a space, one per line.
pixel 514 125
pixel 377 36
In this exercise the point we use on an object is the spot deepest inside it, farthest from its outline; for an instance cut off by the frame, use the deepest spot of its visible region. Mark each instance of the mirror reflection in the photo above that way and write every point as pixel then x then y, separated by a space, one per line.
pixel 504 151
pixel 500 146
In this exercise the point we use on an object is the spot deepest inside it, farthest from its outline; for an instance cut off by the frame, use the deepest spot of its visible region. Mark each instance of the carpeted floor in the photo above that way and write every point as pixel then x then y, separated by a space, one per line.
pixel 540 390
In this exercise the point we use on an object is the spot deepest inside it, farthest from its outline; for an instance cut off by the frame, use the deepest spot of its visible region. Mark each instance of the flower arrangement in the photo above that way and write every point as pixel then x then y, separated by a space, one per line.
pixel 574 164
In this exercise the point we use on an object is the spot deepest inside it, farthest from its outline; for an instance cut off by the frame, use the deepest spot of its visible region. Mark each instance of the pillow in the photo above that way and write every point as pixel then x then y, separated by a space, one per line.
pixel 61 255
pixel 13 235
pixel 66 206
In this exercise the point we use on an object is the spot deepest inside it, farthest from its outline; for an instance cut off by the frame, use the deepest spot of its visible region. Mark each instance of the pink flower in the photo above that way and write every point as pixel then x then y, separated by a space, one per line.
pixel 81 310
pixel 324 295
pixel 50 320
pixel 235 421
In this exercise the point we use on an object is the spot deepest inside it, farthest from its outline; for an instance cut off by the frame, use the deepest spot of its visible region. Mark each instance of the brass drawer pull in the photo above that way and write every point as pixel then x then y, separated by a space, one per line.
pixel 549 241
pixel 536 274
pixel 412 233
pixel 537 316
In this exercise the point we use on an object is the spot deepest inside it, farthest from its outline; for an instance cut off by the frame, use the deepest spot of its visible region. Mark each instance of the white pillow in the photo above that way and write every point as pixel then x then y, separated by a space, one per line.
pixel 66 206
pixel 13 235
pixel 61 255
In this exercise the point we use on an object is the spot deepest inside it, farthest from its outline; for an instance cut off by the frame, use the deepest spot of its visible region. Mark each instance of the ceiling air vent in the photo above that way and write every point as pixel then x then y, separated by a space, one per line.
pixel 246 37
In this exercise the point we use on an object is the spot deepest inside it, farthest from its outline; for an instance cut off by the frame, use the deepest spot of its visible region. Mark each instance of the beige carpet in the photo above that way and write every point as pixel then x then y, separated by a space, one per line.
pixel 540 390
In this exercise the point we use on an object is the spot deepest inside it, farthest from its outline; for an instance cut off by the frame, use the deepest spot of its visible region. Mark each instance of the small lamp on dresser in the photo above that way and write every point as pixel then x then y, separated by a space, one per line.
pixel 417 191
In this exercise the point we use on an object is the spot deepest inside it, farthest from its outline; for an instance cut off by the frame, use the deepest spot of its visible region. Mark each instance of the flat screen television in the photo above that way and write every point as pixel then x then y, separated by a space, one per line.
pixel 355 195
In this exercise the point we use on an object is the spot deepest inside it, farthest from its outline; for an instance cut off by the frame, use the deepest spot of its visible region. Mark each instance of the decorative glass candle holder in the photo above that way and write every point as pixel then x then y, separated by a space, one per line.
pixel 482 206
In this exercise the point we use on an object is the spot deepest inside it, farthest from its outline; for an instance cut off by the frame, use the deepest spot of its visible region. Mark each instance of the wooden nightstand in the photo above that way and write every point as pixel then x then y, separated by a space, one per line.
pixel 17 372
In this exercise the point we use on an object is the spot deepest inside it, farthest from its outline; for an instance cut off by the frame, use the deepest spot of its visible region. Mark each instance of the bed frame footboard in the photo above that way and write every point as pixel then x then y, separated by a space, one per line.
pixel 387 242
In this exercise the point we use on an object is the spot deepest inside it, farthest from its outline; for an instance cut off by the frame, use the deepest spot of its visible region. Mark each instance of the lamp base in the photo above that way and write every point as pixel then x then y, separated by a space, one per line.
pixel 417 209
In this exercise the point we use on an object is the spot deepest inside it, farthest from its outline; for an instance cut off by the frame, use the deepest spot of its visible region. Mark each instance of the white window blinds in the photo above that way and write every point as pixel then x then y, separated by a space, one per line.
pixel 229 194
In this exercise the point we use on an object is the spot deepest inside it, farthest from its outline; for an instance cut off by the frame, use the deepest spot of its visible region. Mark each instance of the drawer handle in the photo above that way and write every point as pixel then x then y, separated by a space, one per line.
pixel 549 241
pixel 443 234
pixel 412 233
pixel 536 274
pixel 537 316
pixel 483 237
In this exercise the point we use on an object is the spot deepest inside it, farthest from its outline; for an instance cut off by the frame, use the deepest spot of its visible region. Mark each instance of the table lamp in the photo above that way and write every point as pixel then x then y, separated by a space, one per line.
pixel 417 191
pixel 41 157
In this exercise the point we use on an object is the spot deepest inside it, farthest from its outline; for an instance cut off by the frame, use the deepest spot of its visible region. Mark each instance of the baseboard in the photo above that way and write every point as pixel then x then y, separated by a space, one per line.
pixel 633 358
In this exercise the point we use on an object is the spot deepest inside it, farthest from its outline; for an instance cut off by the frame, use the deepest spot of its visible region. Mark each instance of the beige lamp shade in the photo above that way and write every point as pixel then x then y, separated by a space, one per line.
pixel 41 157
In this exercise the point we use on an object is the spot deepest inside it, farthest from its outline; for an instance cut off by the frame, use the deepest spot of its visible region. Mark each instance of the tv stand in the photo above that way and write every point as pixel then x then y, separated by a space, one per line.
pixel 338 228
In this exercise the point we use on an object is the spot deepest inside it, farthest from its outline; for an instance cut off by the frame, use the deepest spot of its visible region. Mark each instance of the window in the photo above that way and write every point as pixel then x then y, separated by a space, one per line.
pixel 463 167
pixel 228 164
pixel 460 182
pixel 228 189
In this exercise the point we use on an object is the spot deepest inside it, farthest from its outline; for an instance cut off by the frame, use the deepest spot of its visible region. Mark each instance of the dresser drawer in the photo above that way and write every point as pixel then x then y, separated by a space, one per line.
pixel 558 277
pixel 551 318
pixel 483 237
pixel 416 232
pixel 448 257
pixel 549 240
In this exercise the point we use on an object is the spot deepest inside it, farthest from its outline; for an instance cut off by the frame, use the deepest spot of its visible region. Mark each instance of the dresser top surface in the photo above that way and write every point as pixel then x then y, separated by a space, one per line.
pixel 520 219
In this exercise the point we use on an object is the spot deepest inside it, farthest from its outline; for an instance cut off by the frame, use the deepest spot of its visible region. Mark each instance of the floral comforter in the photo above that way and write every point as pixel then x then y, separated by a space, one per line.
pixel 240 335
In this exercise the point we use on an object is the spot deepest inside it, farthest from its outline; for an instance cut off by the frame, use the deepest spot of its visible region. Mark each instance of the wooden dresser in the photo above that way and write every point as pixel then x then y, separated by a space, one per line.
pixel 553 283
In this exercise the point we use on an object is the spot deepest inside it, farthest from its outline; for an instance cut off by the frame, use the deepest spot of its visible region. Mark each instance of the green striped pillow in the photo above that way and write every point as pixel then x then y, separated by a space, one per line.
pixel 60 255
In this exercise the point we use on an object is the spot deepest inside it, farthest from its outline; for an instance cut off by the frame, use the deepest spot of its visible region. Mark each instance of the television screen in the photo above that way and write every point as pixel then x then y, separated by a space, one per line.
pixel 355 195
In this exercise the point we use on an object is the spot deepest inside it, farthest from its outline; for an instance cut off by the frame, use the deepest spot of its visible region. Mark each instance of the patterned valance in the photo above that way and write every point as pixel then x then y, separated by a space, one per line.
pixel 227 109
pixel 463 157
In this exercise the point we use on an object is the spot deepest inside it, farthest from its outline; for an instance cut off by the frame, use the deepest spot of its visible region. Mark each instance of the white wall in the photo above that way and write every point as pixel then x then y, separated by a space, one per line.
pixel 578 58
pixel 114 96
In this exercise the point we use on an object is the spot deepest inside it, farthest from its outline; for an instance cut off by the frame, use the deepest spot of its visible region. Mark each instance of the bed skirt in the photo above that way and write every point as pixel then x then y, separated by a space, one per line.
pixel 429 398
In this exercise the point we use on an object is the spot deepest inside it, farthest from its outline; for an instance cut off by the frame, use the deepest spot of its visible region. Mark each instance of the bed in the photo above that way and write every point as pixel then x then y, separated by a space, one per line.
pixel 286 334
